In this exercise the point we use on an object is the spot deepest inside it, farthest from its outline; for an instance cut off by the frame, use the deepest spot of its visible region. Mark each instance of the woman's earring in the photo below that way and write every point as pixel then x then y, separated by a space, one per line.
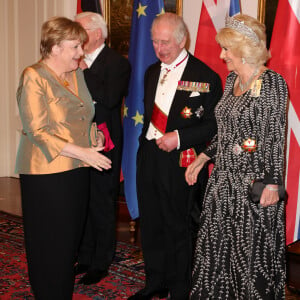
pixel 243 60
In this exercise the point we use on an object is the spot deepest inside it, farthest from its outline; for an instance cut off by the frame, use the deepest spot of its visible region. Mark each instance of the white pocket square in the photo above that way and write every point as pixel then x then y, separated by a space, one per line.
pixel 194 94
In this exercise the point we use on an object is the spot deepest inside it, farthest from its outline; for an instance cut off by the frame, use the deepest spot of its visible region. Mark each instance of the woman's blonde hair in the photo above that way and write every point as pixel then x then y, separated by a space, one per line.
pixel 241 45
pixel 58 29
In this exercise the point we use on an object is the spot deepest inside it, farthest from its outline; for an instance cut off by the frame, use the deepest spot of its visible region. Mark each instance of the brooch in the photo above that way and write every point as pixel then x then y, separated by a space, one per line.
pixel 237 149
pixel 255 90
pixel 186 112
pixel 249 145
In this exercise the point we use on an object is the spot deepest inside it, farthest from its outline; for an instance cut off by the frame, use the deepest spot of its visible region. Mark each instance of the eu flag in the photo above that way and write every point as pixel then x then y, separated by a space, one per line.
pixel 141 55
pixel 234 7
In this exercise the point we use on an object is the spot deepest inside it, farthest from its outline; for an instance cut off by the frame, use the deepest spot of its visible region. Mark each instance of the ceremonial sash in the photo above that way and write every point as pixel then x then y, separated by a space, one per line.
pixel 159 119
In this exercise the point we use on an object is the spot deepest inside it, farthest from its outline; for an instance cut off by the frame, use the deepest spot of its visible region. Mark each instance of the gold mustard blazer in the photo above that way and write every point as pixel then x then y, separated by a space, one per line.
pixel 51 116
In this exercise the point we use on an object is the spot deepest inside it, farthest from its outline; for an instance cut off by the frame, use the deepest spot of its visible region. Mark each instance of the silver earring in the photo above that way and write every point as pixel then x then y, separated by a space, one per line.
pixel 243 60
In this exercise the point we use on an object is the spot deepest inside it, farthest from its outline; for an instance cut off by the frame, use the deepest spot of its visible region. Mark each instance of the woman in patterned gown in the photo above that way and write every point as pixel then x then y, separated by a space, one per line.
pixel 241 245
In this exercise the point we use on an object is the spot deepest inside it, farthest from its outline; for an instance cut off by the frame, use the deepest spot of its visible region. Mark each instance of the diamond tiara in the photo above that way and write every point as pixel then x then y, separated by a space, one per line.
pixel 240 26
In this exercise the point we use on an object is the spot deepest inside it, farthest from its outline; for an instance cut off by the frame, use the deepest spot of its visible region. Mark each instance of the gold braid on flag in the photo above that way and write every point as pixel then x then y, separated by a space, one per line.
pixel 239 26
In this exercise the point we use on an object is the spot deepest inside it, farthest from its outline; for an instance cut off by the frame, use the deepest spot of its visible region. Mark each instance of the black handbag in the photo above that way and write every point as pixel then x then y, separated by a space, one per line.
pixel 258 186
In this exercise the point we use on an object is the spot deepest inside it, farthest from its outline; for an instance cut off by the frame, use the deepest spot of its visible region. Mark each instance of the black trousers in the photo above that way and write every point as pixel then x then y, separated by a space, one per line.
pixel 98 244
pixel 54 209
pixel 165 205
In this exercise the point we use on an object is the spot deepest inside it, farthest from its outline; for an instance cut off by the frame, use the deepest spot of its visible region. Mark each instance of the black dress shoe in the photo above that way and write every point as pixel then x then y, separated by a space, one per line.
pixel 93 276
pixel 80 268
pixel 146 294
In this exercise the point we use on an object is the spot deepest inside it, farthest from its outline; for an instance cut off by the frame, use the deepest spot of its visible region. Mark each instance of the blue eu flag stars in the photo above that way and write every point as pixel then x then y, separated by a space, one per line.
pixel 141 55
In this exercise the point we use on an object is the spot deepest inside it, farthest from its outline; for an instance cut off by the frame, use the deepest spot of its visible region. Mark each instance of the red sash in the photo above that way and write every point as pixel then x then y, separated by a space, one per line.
pixel 159 119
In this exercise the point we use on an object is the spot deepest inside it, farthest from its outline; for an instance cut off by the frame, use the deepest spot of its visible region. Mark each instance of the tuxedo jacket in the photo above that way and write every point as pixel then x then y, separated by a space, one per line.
pixel 107 80
pixel 197 129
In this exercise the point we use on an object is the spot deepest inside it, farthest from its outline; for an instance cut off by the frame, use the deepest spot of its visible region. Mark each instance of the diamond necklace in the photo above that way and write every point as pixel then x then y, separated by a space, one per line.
pixel 244 86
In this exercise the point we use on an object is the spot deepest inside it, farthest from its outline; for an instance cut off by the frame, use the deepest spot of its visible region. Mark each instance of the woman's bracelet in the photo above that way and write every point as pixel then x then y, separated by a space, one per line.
pixel 273 189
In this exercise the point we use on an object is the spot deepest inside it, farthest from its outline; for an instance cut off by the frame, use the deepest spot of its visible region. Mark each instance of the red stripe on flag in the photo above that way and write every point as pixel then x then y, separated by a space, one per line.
pixel 285 50
pixel 292 188
pixel 79 10
pixel 207 49
pixel 286 61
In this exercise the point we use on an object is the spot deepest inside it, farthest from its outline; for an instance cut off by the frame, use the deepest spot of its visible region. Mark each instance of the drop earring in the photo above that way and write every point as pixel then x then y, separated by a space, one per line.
pixel 243 60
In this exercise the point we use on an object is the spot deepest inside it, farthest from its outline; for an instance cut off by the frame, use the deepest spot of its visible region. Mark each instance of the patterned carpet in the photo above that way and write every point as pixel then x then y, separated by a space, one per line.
pixel 126 274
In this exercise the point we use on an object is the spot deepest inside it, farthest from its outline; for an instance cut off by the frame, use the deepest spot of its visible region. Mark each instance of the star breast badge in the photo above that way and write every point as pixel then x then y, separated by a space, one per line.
pixel 199 112
pixel 186 113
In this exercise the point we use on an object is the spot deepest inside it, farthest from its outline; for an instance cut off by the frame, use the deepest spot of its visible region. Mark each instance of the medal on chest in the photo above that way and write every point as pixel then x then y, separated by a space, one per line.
pixel 186 113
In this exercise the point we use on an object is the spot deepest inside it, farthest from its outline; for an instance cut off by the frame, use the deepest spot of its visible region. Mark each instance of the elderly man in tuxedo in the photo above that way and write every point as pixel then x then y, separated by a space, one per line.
pixel 106 73
pixel 180 96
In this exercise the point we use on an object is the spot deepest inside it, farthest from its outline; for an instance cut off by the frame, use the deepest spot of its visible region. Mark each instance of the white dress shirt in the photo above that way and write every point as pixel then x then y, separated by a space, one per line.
pixel 166 89
pixel 90 57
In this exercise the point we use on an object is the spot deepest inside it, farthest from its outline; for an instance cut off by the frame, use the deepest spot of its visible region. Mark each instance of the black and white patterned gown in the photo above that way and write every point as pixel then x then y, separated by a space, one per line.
pixel 240 252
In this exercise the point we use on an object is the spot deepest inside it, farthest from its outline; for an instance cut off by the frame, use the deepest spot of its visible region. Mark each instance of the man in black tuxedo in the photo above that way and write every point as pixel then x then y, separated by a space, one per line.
pixel 180 96
pixel 107 76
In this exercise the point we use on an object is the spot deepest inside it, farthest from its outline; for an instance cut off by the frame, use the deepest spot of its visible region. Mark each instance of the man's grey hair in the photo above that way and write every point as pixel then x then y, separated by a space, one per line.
pixel 180 28
pixel 95 21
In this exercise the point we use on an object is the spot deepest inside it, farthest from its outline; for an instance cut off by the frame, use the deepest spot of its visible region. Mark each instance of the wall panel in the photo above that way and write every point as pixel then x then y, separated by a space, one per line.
pixel 4 119
pixel 20 23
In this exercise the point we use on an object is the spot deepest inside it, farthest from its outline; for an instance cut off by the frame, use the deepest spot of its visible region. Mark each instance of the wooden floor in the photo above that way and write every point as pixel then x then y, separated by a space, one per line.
pixel 10 201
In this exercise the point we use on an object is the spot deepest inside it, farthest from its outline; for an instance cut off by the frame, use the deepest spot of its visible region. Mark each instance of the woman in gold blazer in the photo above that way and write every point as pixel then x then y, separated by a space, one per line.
pixel 55 150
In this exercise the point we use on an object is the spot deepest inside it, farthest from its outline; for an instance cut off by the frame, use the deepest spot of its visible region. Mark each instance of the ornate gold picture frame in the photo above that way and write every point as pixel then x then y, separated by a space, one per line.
pixel 174 6
pixel 266 14
pixel 118 13
pixel 261 13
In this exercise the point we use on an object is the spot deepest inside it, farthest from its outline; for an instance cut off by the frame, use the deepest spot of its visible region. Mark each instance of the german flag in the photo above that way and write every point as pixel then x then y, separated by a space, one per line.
pixel 89 5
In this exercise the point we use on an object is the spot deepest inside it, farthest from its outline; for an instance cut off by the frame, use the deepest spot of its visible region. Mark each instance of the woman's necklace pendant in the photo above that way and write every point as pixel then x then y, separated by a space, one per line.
pixel 65 83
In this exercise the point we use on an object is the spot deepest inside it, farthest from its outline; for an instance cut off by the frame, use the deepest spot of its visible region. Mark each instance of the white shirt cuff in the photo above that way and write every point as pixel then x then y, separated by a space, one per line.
pixel 178 139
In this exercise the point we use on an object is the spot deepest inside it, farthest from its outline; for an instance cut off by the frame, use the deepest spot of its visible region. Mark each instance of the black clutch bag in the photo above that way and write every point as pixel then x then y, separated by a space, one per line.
pixel 258 186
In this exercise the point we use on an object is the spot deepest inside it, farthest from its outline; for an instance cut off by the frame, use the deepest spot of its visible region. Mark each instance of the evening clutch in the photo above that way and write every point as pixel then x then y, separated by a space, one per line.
pixel 94 132
pixel 258 186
